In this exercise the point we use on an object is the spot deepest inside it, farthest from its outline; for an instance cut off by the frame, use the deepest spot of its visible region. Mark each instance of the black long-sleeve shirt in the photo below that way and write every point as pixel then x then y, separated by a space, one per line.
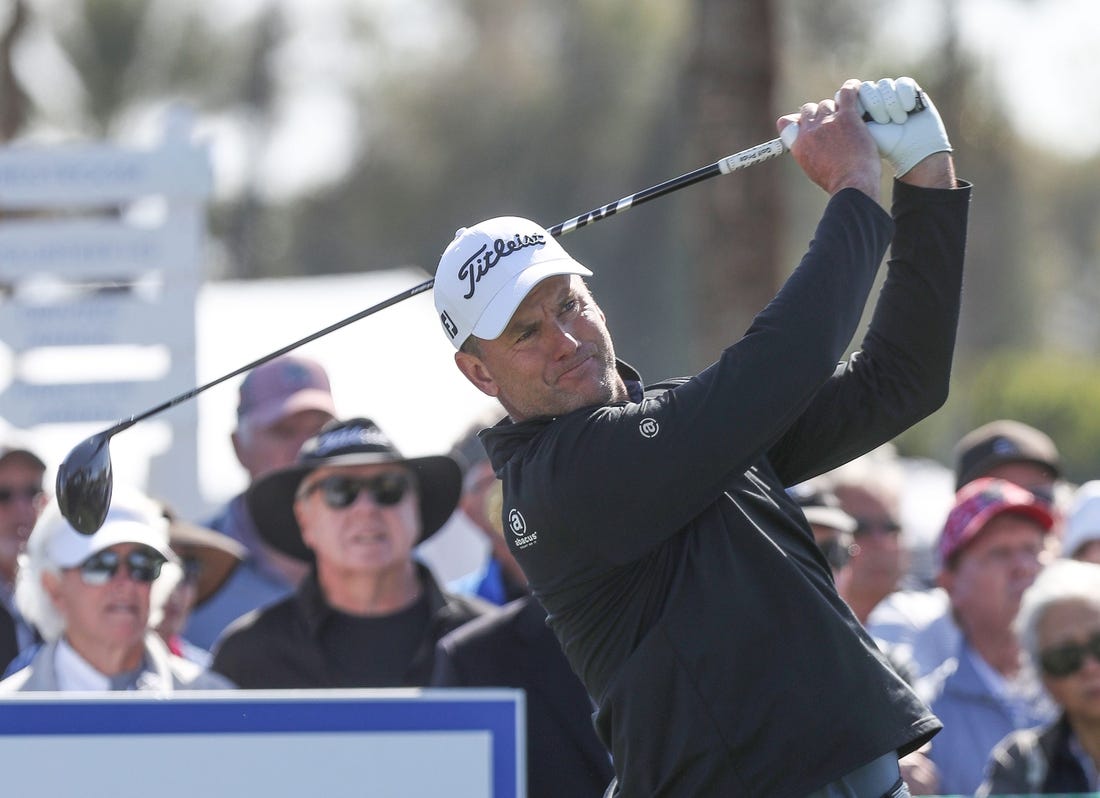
pixel 683 584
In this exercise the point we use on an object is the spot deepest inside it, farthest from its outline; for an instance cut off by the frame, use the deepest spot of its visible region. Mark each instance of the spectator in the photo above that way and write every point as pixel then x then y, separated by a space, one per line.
pixel 282 403
pixel 832 527
pixel 515 648
pixel 990 553
pixel 368 614
pixel 500 579
pixel 89 596
pixel 869 490
pixel 1011 450
pixel 22 499
pixel 1082 533
pixel 919 623
pixel 206 559
pixel 1059 628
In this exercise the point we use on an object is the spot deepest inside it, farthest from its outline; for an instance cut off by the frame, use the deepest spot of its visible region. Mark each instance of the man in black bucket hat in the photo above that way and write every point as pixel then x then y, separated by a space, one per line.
pixel 368 614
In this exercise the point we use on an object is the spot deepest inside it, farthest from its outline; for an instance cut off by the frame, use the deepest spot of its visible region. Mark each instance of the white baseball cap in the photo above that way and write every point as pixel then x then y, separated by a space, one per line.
pixel 131 518
pixel 1083 520
pixel 485 273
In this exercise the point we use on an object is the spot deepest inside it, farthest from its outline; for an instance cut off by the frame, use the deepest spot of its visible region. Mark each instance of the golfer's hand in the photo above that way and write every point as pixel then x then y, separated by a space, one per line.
pixel 904 133
pixel 833 146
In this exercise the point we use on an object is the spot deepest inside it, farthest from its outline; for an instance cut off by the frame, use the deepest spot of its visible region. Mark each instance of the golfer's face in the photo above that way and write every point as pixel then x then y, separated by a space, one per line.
pixel 554 356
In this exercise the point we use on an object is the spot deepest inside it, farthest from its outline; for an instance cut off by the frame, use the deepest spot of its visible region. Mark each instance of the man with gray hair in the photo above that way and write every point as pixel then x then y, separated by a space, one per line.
pixel 89 596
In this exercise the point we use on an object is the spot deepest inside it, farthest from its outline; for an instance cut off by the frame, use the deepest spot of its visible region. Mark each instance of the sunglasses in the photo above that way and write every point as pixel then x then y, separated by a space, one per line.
pixel 339 492
pixel 27 493
pixel 866 526
pixel 1067 659
pixel 143 565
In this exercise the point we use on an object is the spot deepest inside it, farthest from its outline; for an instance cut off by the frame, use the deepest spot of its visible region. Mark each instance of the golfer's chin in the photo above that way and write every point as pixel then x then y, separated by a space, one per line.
pixel 592 390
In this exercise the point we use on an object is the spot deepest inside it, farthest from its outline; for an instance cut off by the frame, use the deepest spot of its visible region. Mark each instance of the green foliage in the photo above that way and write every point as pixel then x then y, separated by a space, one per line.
pixel 1057 393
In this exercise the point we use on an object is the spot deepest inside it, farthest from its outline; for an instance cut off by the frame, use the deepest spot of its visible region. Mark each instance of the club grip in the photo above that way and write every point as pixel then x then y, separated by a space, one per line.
pixel 788 134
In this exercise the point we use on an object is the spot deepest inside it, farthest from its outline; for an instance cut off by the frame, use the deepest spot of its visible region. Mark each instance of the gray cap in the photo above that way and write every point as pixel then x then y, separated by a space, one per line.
pixel 999 442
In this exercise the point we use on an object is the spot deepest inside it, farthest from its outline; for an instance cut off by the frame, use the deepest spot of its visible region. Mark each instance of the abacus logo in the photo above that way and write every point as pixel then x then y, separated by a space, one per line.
pixel 518 526
pixel 649 428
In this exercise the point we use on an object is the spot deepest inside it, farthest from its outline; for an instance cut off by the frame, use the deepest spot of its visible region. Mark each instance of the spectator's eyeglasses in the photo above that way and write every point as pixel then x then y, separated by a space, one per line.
pixel 339 492
pixel 28 493
pixel 143 565
pixel 1067 659
pixel 869 526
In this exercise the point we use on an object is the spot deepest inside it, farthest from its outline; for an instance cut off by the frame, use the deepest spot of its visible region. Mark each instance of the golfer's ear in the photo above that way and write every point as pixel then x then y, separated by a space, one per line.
pixel 474 370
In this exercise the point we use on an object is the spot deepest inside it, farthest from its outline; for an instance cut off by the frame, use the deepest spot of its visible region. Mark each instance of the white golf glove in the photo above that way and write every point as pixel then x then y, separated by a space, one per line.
pixel 904 133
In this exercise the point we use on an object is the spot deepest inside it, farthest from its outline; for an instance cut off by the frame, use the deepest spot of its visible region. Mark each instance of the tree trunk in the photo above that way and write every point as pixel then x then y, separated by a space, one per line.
pixel 13 102
pixel 735 220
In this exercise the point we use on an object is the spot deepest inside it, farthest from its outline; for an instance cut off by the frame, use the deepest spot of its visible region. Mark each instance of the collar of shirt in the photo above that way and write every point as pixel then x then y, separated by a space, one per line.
pixel 1022 695
pixel 74 672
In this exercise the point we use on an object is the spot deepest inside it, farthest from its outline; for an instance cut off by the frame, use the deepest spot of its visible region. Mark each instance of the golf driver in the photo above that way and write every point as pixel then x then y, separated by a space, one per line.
pixel 84 478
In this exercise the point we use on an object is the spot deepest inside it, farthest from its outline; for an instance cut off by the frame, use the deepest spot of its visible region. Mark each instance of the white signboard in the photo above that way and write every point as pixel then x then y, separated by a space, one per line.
pixel 101 247
pixel 460 743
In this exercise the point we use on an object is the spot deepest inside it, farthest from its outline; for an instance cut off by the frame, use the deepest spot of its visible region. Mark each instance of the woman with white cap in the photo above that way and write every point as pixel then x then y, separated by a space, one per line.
pixel 89 596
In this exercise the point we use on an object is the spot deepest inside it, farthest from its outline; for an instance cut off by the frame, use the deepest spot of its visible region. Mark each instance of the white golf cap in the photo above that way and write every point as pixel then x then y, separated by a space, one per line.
pixel 1083 519
pixel 488 269
pixel 131 518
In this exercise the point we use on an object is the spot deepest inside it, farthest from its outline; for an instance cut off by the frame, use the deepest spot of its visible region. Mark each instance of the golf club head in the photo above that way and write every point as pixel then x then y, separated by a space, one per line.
pixel 84 485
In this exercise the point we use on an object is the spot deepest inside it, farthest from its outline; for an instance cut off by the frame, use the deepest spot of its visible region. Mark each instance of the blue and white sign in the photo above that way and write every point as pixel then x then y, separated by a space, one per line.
pixel 460 743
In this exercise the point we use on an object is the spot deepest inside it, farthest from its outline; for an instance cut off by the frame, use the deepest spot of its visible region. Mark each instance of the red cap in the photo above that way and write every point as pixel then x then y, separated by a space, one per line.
pixel 282 387
pixel 978 502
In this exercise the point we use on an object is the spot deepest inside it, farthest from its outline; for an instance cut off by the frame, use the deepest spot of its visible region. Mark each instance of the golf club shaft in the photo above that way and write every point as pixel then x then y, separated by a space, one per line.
pixel 731 163
pixel 183 397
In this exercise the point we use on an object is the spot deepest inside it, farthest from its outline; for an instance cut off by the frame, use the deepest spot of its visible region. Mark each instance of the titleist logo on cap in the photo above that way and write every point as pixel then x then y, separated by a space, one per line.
pixel 485 259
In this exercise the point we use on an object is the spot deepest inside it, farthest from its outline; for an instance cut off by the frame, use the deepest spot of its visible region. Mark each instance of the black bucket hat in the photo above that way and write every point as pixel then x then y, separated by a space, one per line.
pixel 356 441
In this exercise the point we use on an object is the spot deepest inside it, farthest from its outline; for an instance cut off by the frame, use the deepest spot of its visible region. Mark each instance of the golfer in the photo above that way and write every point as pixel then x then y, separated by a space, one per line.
pixel 682 582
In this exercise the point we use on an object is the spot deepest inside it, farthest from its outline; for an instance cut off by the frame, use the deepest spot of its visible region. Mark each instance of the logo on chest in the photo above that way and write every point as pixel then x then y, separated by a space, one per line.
pixel 517 525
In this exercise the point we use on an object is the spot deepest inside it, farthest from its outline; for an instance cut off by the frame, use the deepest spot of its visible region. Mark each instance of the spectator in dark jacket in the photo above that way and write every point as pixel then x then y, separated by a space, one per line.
pixel 22 500
pixel 1059 628
pixel 515 648
pixel 368 614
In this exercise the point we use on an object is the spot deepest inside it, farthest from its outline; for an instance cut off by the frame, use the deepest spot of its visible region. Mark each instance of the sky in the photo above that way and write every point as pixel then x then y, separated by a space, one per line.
pixel 1043 56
